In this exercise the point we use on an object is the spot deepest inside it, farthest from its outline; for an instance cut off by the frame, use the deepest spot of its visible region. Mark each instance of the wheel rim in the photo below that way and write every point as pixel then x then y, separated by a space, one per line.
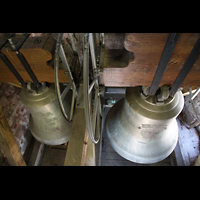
pixel 93 124
pixel 59 52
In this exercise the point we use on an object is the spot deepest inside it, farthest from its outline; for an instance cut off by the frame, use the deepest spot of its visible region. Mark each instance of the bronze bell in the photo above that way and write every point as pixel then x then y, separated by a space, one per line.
pixel 143 129
pixel 46 121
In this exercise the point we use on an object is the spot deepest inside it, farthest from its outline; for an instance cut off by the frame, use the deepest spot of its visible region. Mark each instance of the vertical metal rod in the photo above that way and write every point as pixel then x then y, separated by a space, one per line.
pixel 166 55
pixel 78 46
pixel 72 103
pixel 28 69
pixel 92 52
pixel 72 41
pixel 102 37
pixel 98 38
pixel 194 54
pixel 12 69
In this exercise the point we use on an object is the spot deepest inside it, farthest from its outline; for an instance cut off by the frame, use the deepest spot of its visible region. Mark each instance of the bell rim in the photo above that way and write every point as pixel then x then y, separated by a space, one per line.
pixel 140 160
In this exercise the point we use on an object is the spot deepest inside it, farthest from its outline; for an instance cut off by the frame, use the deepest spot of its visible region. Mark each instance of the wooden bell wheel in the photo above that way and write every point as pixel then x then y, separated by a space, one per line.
pixel 59 53
pixel 93 111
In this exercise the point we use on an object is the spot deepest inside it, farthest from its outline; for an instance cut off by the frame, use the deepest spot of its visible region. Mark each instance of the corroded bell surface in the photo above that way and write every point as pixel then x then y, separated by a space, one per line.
pixel 142 129
pixel 47 123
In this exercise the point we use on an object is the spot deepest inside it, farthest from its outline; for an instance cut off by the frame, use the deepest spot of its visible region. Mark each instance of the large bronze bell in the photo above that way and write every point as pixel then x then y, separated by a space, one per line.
pixel 47 123
pixel 143 129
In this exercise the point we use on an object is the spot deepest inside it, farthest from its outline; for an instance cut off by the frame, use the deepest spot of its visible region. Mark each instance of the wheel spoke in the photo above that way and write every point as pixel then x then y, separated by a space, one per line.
pixel 65 91
pixel 72 104
pixel 91 86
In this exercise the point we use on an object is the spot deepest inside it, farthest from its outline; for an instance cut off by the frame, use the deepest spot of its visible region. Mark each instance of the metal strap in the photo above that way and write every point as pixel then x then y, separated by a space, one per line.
pixel 186 68
pixel 12 69
pixel 28 69
pixel 9 64
pixel 166 55
pixel 23 59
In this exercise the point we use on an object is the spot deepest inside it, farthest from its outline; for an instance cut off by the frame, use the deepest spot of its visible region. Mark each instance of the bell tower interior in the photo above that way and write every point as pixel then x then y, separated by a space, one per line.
pixel 99 99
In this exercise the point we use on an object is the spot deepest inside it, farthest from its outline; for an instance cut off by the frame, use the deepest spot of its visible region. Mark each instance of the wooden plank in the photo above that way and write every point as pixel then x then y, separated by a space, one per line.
pixel 189 143
pixel 9 144
pixel 176 156
pixel 77 144
pixel 37 153
pixel 53 157
pixel 117 58
pixel 90 154
pixel 39 57
pixel 148 48
pixel 80 151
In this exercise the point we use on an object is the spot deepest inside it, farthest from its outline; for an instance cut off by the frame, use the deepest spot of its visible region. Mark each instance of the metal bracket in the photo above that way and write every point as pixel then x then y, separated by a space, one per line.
pixel 16 44
pixel 164 93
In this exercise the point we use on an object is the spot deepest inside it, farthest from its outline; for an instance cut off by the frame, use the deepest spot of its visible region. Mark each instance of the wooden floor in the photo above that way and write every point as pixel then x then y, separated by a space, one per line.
pixel 53 157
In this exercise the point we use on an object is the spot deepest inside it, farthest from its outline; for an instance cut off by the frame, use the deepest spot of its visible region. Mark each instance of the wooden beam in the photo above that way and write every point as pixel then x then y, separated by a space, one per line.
pixel 148 48
pixel 77 145
pixel 9 144
pixel 37 153
pixel 90 154
pixel 79 152
pixel 38 55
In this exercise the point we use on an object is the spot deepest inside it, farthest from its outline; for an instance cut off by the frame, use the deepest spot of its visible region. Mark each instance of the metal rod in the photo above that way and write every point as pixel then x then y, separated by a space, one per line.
pixel 72 41
pixel 56 74
pixel 92 52
pixel 102 36
pixel 72 103
pixel 12 69
pixel 65 63
pixel 65 91
pixel 95 110
pixel 186 68
pixel 78 46
pixel 28 69
pixel 166 55
pixel 98 38
pixel 196 93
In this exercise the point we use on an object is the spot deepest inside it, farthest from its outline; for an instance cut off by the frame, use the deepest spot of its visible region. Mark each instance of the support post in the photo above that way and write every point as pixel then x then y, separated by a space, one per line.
pixel 9 144
pixel 78 151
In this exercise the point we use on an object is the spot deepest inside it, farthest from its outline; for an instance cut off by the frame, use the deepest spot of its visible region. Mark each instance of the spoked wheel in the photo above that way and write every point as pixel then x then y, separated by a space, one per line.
pixel 91 87
pixel 59 52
